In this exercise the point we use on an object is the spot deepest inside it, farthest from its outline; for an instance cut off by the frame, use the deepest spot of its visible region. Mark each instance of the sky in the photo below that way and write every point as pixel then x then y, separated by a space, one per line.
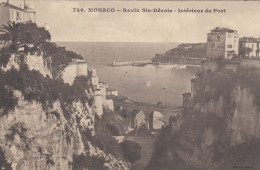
pixel 66 25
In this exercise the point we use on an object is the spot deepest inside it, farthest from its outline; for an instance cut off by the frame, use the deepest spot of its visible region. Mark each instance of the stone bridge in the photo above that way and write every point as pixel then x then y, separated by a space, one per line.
pixel 147 144
pixel 147 108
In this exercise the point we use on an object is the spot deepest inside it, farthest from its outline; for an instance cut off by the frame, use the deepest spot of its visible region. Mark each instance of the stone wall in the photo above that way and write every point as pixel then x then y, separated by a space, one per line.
pixel 73 70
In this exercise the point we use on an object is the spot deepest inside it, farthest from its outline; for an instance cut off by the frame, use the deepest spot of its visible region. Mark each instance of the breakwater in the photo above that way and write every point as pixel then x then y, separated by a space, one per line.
pixel 134 63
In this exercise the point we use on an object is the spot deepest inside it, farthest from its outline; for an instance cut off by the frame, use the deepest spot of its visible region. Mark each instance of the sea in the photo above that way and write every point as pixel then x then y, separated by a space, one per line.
pixel 148 84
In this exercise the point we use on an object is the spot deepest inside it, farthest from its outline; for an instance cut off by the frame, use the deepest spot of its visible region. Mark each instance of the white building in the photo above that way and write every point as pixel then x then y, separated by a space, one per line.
pixel 249 47
pixel 101 91
pixel 222 43
pixel 9 12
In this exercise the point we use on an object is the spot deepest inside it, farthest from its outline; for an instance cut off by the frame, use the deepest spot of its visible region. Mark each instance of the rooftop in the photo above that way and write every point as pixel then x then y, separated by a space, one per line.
pixel 249 39
pixel 218 29
pixel 3 4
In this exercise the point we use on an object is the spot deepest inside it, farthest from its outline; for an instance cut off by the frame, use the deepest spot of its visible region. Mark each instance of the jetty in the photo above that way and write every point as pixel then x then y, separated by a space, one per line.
pixel 133 63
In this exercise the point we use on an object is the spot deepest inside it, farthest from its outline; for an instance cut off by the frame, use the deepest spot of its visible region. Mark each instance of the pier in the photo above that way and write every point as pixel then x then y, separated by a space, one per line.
pixel 133 63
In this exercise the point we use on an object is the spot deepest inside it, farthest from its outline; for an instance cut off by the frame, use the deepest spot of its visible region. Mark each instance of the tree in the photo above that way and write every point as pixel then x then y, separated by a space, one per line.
pixel 33 35
pixel 27 35
pixel 9 35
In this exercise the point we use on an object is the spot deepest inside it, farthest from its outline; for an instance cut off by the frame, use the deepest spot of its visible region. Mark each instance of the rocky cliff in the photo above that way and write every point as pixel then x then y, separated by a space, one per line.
pixel 33 138
pixel 43 122
pixel 221 130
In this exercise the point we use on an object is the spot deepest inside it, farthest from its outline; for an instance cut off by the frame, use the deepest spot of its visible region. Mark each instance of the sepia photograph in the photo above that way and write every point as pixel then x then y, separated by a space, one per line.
pixel 129 85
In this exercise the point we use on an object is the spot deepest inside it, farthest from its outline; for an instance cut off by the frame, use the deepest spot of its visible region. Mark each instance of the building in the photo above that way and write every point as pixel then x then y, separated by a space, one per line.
pixel 222 43
pixel 9 12
pixel 249 47
pixel 189 97
pixel 195 86
pixel 94 78
pixel 187 101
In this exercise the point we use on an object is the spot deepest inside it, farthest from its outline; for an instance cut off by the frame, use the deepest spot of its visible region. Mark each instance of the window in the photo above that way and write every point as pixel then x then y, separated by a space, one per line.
pixel 229 46
pixel 229 35
pixel 18 16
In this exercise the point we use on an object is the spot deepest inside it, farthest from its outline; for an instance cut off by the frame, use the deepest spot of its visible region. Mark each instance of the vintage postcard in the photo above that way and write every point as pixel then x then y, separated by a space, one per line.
pixel 129 85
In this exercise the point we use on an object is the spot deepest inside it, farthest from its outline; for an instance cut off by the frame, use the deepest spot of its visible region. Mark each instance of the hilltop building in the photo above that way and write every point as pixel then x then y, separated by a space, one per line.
pixel 222 43
pixel 189 96
pixel 9 12
pixel 249 47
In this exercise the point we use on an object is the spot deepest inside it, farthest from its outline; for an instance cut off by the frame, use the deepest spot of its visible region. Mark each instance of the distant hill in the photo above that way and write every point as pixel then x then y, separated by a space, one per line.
pixel 181 52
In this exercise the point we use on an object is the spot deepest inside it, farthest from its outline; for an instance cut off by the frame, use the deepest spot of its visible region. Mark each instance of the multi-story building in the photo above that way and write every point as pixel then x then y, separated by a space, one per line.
pixel 9 12
pixel 222 43
pixel 249 47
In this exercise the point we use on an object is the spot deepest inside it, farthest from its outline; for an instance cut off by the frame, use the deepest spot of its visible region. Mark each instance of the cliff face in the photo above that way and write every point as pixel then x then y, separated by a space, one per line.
pixel 244 123
pixel 47 121
pixel 222 124
pixel 242 120
pixel 36 139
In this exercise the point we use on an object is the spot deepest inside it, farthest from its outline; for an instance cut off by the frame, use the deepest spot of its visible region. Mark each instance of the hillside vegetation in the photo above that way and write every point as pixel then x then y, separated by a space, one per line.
pixel 178 55
pixel 45 122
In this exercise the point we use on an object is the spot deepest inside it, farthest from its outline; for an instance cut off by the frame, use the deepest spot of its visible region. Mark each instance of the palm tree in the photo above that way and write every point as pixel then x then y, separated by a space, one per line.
pixel 34 36
pixel 9 35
